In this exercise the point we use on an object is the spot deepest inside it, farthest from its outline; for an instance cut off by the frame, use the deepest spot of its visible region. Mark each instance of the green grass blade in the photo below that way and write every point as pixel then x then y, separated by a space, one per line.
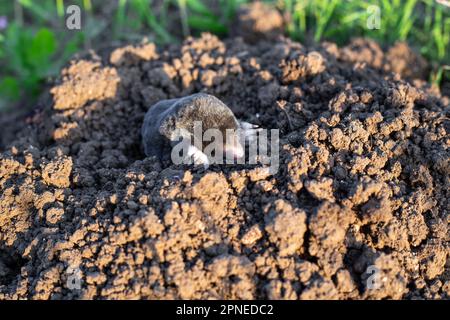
pixel 203 23
pixel 60 7
pixel 39 11
pixel 198 7
pixel 407 19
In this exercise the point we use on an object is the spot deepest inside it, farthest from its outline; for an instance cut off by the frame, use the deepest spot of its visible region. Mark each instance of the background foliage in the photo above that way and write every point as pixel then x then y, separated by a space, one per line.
pixel 34 43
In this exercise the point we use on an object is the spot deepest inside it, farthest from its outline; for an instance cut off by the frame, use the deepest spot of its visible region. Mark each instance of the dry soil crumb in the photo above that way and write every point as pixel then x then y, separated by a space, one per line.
pixel 258 21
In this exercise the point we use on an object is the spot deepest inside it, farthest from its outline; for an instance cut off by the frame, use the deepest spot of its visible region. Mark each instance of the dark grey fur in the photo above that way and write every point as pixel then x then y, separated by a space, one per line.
pixel 165 116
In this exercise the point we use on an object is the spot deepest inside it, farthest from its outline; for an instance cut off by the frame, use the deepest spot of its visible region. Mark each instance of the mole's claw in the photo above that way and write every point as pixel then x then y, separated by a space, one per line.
pixel 247 125
pixel 250 131
pixel 199 158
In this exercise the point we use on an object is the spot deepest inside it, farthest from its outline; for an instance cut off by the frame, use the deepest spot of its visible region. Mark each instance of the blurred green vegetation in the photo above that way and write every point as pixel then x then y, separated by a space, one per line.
pixel 34 43
pixel 424 24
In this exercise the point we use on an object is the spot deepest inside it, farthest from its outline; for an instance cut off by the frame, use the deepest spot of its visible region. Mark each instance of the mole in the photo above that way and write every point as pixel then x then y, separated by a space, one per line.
pixel 173 122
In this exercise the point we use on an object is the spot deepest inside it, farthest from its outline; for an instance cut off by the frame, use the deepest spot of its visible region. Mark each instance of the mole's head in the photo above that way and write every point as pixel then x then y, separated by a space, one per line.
pixel 213 115
pixel 231 145
pixel 245 132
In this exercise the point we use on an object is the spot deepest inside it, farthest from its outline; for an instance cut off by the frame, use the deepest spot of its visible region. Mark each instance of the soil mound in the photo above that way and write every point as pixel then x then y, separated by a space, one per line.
pixel 363 183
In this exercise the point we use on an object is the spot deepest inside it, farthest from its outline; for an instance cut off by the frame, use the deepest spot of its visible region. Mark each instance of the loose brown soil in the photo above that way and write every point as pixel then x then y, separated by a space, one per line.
pixel 363 180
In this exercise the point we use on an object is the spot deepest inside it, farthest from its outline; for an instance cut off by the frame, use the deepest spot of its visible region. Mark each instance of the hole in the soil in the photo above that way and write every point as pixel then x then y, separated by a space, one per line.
pixel 10 265
pixel 135 152
pixel 306 200
pixel 306 243
pixel 350 258
pixel 365 229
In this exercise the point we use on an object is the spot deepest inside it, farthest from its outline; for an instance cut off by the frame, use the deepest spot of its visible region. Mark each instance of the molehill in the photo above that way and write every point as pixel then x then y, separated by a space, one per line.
pixel 363 179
